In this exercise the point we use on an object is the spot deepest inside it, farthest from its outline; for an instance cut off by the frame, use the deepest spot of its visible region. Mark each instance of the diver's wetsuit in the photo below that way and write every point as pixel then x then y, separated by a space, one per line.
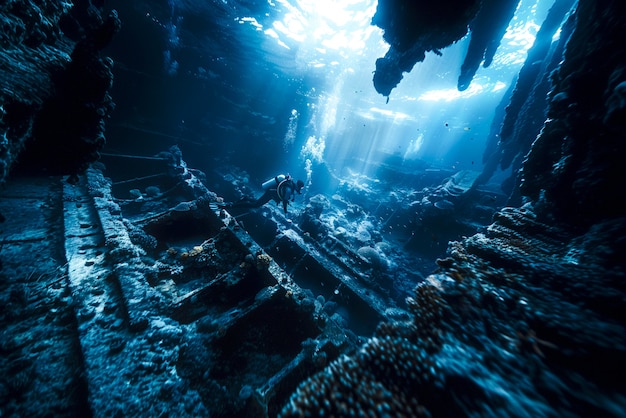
pixel 286 194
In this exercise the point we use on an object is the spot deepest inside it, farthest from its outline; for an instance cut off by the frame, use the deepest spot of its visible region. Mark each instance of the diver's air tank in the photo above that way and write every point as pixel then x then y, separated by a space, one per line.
pixel 273 182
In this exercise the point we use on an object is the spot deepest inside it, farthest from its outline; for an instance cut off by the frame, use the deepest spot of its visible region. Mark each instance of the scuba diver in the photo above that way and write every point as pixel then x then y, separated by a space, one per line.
pixel 281 189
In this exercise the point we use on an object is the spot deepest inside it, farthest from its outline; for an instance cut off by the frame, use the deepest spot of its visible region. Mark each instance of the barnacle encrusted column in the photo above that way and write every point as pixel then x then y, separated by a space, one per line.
pixel 54 97
pixel 30 54
pixel 69 130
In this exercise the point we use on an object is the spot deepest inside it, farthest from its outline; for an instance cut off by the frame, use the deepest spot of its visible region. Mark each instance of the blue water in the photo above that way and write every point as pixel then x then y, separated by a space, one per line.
pixel 287 86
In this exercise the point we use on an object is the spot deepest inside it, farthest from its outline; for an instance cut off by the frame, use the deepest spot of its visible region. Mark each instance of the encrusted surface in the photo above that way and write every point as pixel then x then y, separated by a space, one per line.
pixel 54 92
pixel 508 321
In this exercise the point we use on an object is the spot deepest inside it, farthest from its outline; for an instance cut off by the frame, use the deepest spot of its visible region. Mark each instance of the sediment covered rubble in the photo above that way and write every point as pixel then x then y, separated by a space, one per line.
pixel 163 305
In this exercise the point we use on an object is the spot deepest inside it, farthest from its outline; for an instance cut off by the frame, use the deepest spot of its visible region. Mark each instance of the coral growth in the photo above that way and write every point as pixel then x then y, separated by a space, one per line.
pixel 498 320
pixel 263 261
pixel 346 389
pixel 385 377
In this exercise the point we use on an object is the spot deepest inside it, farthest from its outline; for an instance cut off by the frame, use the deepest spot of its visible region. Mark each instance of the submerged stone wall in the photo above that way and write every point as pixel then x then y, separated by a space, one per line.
pixel 53 99
pixel 575 168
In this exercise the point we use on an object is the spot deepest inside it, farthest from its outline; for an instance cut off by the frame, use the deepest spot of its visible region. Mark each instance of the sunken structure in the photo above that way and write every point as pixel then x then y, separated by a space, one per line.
pixel 128 292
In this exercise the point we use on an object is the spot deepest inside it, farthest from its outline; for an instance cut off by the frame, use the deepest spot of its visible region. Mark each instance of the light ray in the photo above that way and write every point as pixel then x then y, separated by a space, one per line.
pixel 426 117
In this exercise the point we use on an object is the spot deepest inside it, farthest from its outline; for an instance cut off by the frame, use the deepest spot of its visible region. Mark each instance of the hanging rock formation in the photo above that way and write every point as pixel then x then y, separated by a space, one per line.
pixel 413 28
pixel 486 31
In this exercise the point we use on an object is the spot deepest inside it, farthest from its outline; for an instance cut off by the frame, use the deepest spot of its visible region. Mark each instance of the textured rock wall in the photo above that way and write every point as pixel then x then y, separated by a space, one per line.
pixel 26 66
pixel 53 99
pixel 575 168
pixel 514 131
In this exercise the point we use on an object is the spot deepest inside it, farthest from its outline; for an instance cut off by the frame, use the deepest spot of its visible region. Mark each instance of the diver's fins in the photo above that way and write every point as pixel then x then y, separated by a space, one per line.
pixel 219 205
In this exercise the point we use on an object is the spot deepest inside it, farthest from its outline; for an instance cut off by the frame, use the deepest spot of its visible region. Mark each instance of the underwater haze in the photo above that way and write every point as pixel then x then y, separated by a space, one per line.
pixel 251 90
pixel 287 86
pixel 287 208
